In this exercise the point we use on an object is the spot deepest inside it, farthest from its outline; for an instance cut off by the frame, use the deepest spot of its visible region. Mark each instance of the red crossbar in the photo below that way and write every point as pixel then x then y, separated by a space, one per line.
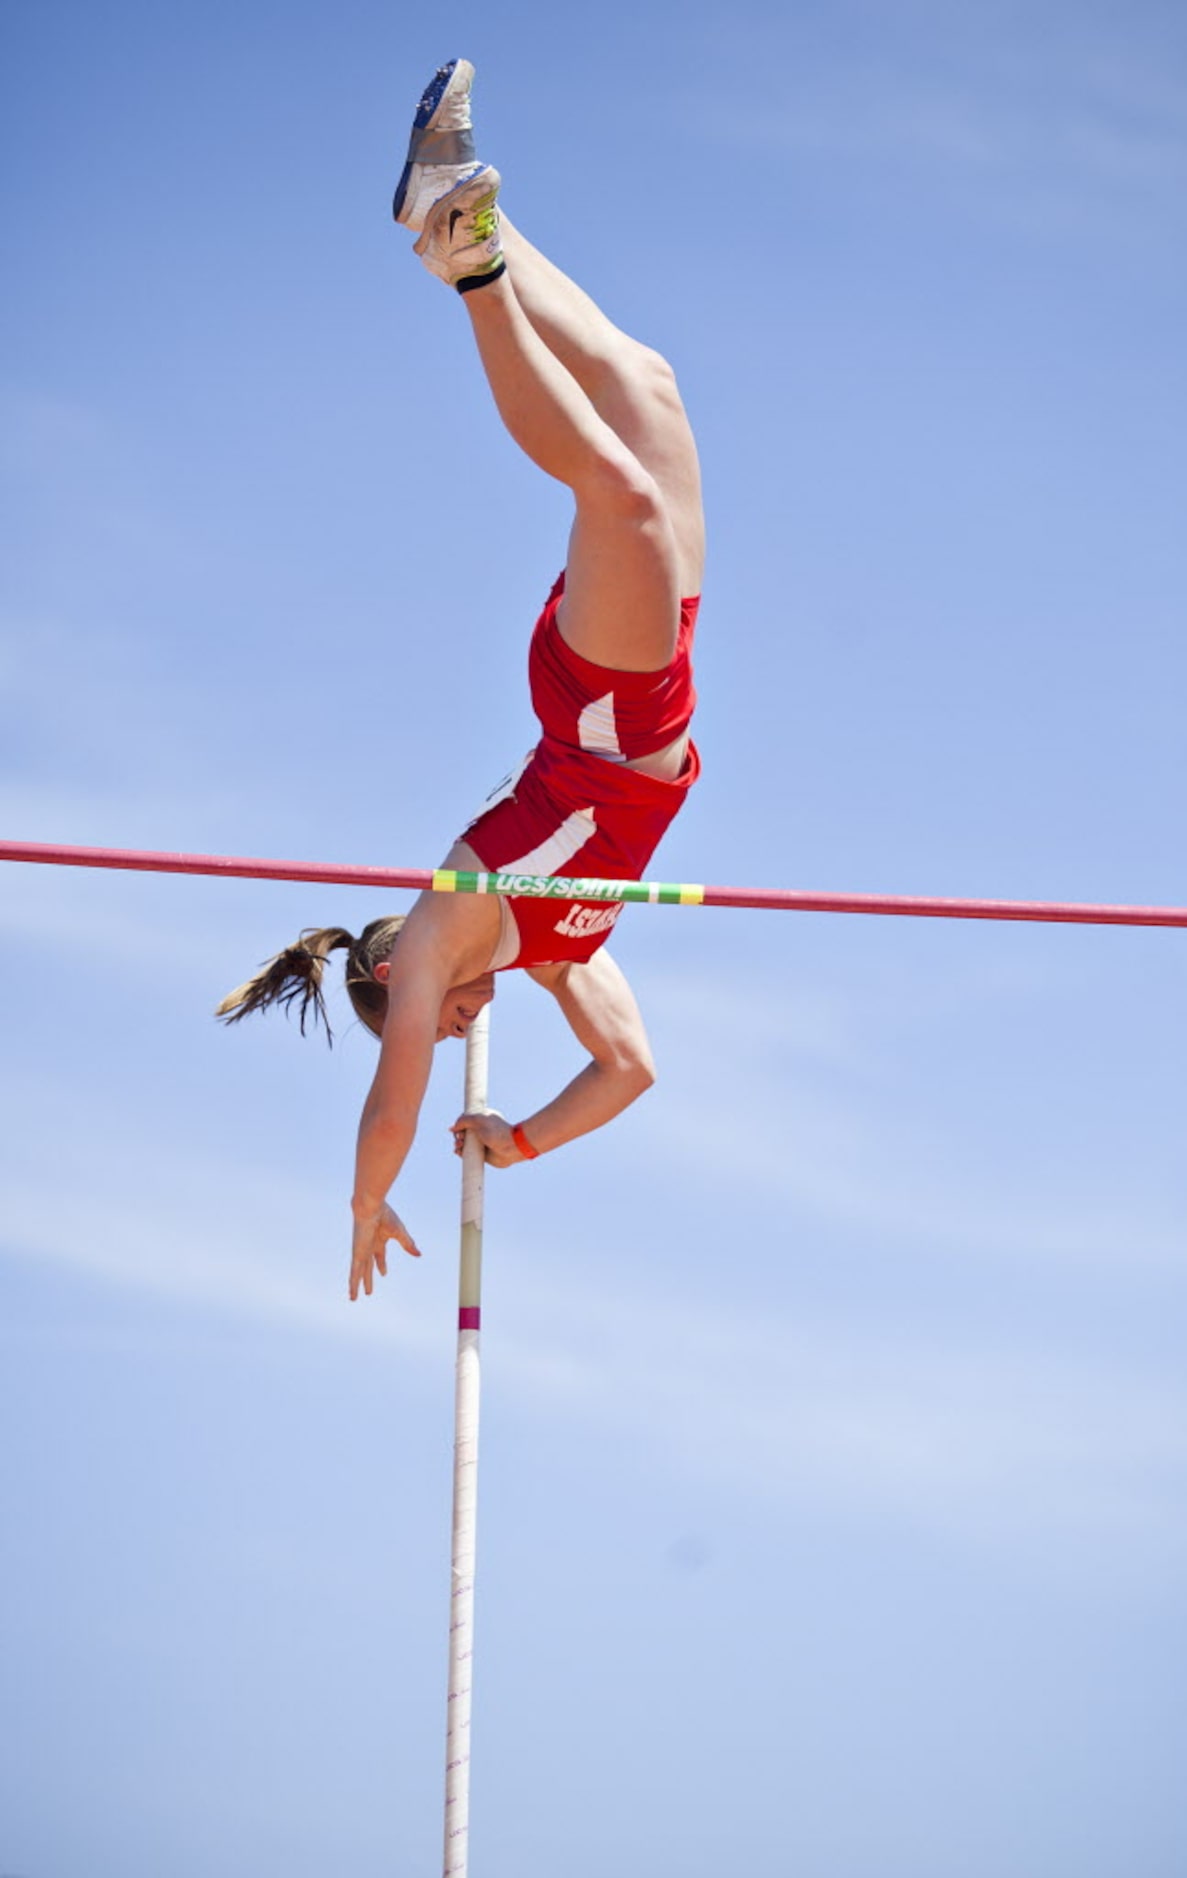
pixel 770 898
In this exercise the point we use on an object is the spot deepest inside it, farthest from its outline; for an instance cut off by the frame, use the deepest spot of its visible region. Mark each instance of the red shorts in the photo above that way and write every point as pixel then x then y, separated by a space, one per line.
pixel 574 808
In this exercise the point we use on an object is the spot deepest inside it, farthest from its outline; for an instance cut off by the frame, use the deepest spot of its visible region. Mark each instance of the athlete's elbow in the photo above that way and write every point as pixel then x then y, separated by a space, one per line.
pixel 624 1076
pixel 639 1075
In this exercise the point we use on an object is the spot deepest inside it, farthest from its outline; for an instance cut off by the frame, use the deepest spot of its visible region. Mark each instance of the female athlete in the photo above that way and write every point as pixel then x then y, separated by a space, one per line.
pixel 611 682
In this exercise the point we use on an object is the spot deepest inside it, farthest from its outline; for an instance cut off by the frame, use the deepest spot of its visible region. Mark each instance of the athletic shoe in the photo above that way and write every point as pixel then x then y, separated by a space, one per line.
pixel 461 242
pixel 441 148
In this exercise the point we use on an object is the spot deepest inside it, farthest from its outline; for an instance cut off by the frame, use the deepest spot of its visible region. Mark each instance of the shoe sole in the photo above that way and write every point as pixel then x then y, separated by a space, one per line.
pixel 426 110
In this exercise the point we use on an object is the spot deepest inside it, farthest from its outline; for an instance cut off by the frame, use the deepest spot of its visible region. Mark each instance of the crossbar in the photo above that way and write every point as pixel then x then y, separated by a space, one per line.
pixel 652 892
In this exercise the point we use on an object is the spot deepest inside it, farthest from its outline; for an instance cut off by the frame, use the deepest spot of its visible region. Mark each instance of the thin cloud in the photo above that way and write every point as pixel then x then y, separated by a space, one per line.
pixel 1072 123
pixel 970 1440
pixel 834 1164
pixel 990 1443
pixel 815 1132
pixel 885 1178
pixel 218 1248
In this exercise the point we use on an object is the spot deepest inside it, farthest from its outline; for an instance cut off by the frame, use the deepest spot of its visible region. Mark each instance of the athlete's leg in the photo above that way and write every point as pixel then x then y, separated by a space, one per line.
pixel 631 387
pixel 622 583
pixel 585 402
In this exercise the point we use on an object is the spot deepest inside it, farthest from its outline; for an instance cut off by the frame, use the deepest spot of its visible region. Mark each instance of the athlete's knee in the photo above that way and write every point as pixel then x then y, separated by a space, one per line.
pixel 646 373
pixel 617 485
pixel 660 376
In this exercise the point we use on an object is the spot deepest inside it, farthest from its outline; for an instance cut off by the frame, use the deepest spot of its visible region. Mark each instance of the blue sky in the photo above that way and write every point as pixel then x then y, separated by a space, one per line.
pixel 835 1425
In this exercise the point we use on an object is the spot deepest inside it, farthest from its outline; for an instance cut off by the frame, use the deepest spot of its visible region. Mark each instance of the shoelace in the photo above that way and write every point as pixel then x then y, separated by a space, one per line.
pixel 485 222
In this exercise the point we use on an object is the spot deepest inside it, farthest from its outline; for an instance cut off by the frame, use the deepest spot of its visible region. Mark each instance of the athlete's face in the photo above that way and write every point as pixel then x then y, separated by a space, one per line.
pixel 461 1006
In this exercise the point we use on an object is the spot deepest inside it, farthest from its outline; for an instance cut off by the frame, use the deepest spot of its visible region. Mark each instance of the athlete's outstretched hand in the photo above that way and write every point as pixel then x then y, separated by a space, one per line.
pixel 371 1234
pixel 493 1132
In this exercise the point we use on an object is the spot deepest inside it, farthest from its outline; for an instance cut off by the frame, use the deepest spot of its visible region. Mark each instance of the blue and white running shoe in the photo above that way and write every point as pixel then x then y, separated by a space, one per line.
pixel 441 148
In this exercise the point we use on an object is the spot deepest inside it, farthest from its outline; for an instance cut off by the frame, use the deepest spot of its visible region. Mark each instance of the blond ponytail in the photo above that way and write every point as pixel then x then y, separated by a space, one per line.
pixel 295 976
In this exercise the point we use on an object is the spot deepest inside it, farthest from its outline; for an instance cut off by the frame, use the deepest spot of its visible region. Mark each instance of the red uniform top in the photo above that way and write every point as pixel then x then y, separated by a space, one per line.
pixel 573 808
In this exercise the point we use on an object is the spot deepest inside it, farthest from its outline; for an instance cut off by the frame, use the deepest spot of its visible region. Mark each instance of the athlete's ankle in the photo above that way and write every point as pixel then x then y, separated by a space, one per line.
pixel 470 283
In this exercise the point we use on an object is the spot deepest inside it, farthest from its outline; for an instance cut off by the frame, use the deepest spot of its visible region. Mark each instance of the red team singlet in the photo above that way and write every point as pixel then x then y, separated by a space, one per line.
pixel 573 808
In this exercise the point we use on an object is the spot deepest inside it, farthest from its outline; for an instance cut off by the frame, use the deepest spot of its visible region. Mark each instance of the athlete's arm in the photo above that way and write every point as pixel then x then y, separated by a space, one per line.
pixel 601 1011
pixel 441 939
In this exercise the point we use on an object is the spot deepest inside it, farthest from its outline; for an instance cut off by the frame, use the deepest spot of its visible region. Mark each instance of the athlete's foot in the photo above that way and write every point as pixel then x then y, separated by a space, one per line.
pixel 461 242
pixel 441 148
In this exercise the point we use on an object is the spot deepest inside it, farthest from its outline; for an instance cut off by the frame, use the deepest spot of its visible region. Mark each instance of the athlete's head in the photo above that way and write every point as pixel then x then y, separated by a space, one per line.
pixel 295 975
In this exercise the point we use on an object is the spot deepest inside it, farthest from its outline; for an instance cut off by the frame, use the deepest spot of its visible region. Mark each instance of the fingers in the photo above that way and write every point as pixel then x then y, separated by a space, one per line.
pixel 476 1118
pixel 362 1271
pixel 374 1255
pixel 460 1128
pixel 389 1225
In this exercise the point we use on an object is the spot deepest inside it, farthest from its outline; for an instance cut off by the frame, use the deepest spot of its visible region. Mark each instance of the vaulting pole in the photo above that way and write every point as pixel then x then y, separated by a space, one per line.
pixel 465 1469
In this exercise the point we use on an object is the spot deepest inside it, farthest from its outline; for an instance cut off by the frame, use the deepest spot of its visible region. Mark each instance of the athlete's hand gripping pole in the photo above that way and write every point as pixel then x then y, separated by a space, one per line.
pixel 465 1467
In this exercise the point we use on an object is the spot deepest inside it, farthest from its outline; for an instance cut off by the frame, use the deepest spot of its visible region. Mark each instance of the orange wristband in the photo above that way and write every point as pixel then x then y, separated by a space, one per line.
pixel 523 1144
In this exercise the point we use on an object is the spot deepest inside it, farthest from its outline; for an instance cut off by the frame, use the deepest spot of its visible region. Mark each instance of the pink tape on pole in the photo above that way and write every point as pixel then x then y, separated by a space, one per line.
pixel 469 1317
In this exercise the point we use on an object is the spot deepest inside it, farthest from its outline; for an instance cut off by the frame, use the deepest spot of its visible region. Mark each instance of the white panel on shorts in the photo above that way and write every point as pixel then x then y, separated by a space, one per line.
pixel 507 787
pixel 551 855
pixel 597 730
pixel 500 793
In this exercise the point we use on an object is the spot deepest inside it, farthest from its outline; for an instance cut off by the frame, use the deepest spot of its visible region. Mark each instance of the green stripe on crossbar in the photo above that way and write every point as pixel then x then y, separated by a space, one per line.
pixel 560 887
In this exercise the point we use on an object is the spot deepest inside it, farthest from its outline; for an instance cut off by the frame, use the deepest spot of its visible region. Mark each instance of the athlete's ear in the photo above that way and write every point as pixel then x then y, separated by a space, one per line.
pixel 382 972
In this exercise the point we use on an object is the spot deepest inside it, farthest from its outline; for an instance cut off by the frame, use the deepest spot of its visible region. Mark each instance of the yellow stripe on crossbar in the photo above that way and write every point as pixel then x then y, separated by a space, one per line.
pixel 444 880
pixel 692 896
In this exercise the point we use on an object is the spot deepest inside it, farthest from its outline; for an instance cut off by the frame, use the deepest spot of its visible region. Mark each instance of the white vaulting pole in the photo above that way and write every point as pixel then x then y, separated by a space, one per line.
pixel 465 1470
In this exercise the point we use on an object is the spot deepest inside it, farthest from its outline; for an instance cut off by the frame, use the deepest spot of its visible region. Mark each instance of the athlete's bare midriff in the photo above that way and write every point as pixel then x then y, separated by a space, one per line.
pixel 668 763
